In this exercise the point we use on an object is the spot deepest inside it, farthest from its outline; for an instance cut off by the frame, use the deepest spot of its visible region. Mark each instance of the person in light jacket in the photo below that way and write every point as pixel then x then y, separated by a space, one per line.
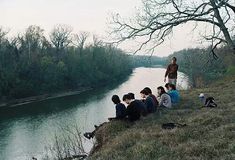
pixel 163 98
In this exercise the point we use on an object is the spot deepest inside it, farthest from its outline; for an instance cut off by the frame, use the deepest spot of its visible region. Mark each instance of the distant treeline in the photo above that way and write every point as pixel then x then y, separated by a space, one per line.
pixel 147 60
pixel 202 67
pixel 32 64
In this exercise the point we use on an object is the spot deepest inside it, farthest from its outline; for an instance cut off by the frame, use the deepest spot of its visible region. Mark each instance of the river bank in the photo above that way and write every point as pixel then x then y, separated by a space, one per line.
pixel 43 97
pixel 28 100
pixel 209 133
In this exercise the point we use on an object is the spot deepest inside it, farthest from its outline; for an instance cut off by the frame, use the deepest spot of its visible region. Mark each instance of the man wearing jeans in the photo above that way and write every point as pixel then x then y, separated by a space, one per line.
pixel 171 72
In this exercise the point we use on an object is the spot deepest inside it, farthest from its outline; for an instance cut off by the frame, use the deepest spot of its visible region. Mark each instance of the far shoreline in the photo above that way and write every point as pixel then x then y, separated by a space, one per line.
pixel 32 99
pixel 28 100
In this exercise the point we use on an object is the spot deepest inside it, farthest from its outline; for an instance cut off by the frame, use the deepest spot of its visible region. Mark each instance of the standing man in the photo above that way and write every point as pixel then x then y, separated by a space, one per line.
pixel 171 72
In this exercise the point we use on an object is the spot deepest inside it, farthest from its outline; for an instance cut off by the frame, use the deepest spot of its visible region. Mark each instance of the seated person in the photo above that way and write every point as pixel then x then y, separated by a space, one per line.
pixel 120 108
pixel 132 111
pixel 167 86
pixel 164 99
pixel 90 135
pixel 151 108
pixel 141 105
pixel 174 94
pixel 151 95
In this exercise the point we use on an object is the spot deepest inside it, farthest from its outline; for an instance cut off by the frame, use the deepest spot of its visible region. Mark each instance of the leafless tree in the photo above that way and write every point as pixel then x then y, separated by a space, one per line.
pixel 157 19
pixel 3 33
pixel 31 40
pixel 97 42
pixel 61 36
pixel 68 146
pixel 80 39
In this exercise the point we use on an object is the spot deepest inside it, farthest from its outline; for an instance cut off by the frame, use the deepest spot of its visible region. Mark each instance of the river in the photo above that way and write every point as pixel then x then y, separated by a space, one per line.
pixel 27 129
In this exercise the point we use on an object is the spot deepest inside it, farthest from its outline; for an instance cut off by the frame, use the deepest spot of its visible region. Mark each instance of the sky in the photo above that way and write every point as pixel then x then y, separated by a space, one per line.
pixel 83 15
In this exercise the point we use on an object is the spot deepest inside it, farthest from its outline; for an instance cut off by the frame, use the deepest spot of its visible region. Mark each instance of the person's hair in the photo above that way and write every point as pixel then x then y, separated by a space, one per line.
pixel 167 85
pixel 132 95
pixel 148 90
pixel 115 99
pixel 144 91
pixel 126 96
pixel 162 90
pixel 174 58
pixel 172 86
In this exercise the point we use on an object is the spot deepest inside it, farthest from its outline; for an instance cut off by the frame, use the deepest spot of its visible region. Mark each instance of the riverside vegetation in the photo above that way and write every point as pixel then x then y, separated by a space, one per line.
pixel 32 65
pixel 202 66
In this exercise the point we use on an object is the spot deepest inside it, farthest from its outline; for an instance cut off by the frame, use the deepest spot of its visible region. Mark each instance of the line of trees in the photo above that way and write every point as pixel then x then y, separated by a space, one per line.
pixel 147 61
pixel 31 64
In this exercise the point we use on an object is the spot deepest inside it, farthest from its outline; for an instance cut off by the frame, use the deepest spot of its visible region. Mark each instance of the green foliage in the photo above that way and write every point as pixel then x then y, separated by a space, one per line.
pixel 231 70
pixel 32 65
pixel 200 65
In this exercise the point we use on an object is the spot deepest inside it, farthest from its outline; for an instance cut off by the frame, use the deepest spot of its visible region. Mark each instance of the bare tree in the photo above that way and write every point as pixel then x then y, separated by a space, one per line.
pixel 158 18
pixel 61 36
pixel 3 33
pixel 80 39
pixel 31 40
pixel 96 41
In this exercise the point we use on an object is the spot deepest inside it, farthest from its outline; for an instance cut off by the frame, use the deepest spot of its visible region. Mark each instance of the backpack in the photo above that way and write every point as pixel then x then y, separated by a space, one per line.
pixel 210 102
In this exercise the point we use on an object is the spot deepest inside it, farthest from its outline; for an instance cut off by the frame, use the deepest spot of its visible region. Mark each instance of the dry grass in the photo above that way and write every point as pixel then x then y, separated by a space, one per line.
pixel 209 134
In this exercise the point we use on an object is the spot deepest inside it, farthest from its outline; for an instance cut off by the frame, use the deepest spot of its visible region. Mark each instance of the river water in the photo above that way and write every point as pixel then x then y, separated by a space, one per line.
pixel 26 130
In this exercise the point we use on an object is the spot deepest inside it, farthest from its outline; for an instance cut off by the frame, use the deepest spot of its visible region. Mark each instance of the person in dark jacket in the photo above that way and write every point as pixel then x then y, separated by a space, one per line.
pixel 150 93
pixel 132 111
pixel 171 72
pixel 140 104
pixel 167 86
pixel 148 100
pixel 120 108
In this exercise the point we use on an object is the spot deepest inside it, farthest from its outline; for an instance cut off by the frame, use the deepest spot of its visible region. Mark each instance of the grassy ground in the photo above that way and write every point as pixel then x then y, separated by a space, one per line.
pixel 209 134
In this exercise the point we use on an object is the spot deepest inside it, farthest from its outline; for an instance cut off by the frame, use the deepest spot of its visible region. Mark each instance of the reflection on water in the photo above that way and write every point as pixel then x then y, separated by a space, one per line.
pixel 26 130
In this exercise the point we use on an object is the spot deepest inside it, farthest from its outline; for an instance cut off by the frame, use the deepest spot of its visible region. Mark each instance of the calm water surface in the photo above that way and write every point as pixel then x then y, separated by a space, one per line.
pixel 27 129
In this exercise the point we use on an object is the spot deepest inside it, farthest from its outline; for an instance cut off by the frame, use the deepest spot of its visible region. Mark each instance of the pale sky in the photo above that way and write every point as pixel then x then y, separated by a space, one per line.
pixel 82 15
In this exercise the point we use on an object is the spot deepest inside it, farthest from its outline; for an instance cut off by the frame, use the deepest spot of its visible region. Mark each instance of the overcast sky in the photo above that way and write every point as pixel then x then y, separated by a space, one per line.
pixel 82 15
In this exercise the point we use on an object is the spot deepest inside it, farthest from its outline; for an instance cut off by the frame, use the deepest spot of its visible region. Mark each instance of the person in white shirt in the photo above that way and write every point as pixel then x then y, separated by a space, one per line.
pixel 163 98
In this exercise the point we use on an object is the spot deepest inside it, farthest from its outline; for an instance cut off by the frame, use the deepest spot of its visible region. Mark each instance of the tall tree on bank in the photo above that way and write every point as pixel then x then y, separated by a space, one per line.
pixel 157 19
pixel 61 36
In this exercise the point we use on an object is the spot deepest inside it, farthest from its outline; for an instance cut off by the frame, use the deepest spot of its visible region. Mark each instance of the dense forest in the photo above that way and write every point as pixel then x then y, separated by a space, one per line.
pixel 31 64
pixel 202 66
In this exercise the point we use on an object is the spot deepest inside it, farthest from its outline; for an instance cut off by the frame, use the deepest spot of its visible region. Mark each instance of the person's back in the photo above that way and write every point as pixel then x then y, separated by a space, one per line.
pixel 120 108
pixel 142 107
pixel 174 94
pixel 120 111
pixel 154 99
pixel 150 104
pixel 165 101
pixel 132 111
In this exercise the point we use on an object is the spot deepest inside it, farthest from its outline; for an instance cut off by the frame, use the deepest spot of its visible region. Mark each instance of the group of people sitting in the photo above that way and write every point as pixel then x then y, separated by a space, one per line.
pixel 137 108
pixel 147 105
pixel 149 102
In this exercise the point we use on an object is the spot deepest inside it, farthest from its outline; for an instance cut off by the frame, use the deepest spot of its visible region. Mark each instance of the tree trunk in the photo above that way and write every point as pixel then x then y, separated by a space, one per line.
pixel 223 28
